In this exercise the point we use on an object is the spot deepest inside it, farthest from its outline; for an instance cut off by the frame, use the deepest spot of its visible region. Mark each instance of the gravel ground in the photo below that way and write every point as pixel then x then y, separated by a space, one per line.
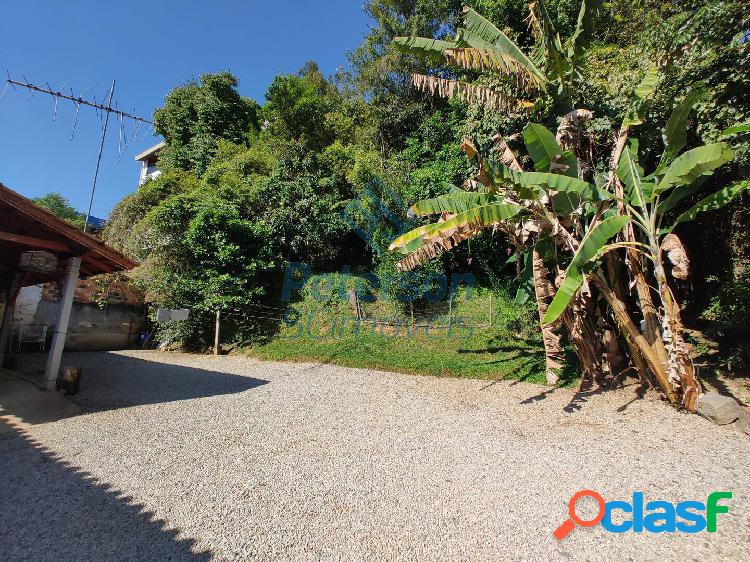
pixel 194 457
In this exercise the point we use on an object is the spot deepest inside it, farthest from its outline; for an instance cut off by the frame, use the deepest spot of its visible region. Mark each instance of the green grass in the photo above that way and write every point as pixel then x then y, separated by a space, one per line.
pixel 479 355
pixel 509 349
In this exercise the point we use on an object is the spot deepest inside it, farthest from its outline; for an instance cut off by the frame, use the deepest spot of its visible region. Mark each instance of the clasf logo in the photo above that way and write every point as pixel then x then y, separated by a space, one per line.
pixel 653 517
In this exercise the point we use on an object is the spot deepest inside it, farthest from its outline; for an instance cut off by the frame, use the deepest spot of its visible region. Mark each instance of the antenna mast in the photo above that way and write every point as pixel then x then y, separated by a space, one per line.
pixel 79 101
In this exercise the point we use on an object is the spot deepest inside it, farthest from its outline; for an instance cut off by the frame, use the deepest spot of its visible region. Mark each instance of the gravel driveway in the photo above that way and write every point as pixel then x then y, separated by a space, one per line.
pixel 219 458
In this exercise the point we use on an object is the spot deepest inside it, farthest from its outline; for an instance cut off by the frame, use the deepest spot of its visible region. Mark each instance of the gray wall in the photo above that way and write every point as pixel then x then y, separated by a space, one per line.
pixel 116 326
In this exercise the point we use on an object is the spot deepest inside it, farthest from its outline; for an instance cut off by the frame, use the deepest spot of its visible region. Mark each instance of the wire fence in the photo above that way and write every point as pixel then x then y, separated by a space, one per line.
pixel 418 314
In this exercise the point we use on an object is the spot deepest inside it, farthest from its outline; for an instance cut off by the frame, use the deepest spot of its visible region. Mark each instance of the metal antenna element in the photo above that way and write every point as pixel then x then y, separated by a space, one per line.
pixel 77 100
pixel 99 156
pixel 101 109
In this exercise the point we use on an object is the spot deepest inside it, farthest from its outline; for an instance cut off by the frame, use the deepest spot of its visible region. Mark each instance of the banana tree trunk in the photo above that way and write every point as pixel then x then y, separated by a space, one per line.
pixel 635 356
pixel 680 367
pixel 652 330
pixel 634 335
pixel 648 309
pixel 583 336
pixel 544 290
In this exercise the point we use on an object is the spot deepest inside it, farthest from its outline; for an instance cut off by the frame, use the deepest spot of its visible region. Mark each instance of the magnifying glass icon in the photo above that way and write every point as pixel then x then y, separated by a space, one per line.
pixel 563 530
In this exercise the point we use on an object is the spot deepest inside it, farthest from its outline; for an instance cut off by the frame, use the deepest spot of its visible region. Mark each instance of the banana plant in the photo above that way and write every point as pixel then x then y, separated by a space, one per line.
pixel 651 200
pixel 524 205
pixel 480 46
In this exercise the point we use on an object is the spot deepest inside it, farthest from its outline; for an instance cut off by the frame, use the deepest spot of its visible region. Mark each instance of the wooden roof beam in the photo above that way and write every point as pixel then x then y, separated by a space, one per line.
pixel 33 242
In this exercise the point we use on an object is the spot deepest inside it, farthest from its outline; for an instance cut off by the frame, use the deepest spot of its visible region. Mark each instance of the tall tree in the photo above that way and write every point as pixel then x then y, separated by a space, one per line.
pixel 199 114
pixel 383 75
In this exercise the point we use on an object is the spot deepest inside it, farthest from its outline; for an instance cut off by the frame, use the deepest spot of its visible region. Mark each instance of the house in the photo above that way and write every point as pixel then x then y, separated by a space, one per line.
pixel 149 162
pixel 37 247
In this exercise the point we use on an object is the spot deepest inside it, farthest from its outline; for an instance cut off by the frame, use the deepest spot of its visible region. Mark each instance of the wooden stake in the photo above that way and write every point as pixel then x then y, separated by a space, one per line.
pixel 216 333
pixel 450 311
pixel 490 310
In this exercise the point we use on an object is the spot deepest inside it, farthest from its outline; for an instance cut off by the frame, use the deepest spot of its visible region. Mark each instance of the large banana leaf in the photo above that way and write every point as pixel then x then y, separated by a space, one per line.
pixel 735 130
pixel 563 204
pixel 679 193
pixel 473 58
pixel 675 133
pixel 526 289
pixel 548 44
pixel 643 93
pixel 545 151
pixel 454 202
pixel 689 166
pixel 423 47
pixel 584 33
pixel 630 174
pixel 481 27
pixel 714 201
pixel 478 217
pixel 591 246
pixel 502 174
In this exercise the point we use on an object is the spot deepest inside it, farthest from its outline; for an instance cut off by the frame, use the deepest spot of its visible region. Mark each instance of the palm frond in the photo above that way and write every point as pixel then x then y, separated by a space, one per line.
pixel 428 241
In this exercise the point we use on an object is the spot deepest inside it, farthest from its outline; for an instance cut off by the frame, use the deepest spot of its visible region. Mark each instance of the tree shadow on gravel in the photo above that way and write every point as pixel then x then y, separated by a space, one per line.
pixel 53 510
pixel 521 359
pixel 110 381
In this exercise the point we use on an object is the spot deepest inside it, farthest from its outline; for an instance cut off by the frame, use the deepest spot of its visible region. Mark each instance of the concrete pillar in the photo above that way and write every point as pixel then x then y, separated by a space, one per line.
pixel 61 328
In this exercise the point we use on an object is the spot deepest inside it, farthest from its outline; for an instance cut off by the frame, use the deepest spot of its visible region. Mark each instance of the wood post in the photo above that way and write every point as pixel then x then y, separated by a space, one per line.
pixel 450 311
pixel 6 319
pixel 216 332
pixel 490 310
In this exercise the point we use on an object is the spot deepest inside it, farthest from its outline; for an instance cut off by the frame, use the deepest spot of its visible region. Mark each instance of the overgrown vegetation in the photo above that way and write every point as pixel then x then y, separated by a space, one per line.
pixel 323 173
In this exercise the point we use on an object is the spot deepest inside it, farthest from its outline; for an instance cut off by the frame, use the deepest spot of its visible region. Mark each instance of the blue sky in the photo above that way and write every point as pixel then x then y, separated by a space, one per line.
pixel 148 48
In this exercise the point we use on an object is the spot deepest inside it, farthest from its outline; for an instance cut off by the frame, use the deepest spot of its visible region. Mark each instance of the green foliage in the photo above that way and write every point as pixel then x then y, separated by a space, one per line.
pixel 58 205
pixel 199 114
pixel 408 286
pixel 329 331
pixel 396 108
pixel 593 244
pixel 729 314
pixel 297 108
pixel 127 229
pixel 210 258
pixel 302 205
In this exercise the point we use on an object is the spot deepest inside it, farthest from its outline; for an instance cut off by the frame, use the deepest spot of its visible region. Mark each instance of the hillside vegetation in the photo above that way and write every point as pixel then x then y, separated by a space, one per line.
pixel 318 179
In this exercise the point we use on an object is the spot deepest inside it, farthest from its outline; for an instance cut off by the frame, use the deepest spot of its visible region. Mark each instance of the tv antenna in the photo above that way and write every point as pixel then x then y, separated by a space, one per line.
pixel 105 109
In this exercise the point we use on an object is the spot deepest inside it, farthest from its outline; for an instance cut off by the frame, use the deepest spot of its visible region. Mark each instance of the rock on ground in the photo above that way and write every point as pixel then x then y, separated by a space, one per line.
pixel 721 410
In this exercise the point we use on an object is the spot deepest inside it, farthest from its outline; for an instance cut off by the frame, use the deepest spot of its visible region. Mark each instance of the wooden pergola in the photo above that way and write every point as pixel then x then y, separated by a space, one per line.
pixel 26 227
